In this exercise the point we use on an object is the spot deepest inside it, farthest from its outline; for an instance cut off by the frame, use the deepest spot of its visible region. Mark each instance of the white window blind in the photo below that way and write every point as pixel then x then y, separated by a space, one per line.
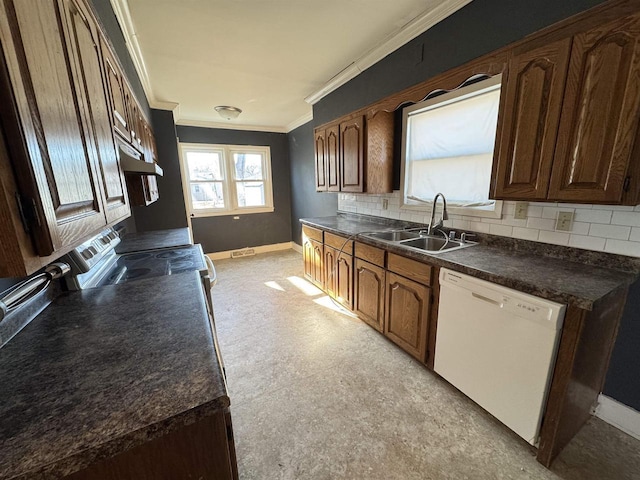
pixel 449 147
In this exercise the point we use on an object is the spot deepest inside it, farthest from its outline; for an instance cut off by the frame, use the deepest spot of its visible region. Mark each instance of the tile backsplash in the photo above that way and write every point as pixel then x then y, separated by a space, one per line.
pixel 605 228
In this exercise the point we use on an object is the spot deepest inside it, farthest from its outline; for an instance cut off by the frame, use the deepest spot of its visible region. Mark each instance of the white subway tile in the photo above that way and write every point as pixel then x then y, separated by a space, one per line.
pixel 496 221
pixel 534 211
pixel 509 208
pixel 584 241
pixel 503 230
pixel 463 224
pixel 609 231
pixel 635 234
pixel 593 216
pixel 550 212
pixel 580 228
pixel 541 223
pixel 514 222
pixel 526 233
pixel 626 218
pixel 575 205
pixel 545 204
pixel 479 227
pixel 405 216
pixel 636 208
pixel 557 238
pixel 623 247
pixel 613 207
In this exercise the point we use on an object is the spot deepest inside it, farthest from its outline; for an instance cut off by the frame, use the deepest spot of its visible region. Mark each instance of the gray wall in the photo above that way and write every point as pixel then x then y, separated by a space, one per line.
pixel 223 233
pixel 305 201
pixel 477 29
pixel 169 210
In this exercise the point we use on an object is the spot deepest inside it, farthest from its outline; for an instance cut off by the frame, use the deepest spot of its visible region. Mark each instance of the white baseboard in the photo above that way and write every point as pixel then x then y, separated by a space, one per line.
pixel 261 249
pixel 619 415
pixel 296 247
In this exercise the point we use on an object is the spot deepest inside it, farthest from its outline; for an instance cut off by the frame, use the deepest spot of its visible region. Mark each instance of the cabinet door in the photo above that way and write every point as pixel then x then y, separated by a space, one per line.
pixel 333 158
pixel 55 156
pixel 369 293
pixel 531 101
pixel 407 314
pixel 344 280
pixel 330 274
pixel 307 258
pixel 599 115
pixel 321 160
pixel 115 89
pixel 84 43
pixel 352 155
pixel 317 270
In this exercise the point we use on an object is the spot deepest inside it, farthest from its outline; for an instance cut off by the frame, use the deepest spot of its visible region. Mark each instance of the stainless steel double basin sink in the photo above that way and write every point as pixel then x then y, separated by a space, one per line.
pixel 417 240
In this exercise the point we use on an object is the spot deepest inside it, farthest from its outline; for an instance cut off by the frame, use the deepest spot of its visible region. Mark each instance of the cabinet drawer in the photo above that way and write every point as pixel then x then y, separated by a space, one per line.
pixel 370 254
pixel 338 242
pixel 312 233
pixel 412 269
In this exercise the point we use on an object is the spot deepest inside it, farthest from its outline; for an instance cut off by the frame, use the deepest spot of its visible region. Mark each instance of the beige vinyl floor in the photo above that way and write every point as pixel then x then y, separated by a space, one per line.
pixel 317 394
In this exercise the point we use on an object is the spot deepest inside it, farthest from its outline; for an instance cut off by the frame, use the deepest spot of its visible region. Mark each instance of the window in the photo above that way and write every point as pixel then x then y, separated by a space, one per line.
pixel 448 146
pixel 226 179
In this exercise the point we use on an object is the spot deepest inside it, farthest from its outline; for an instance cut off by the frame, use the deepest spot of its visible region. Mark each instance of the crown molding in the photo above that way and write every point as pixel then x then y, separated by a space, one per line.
pixel 186 122
pixel 123 15
pixel 391 43
pixel 299 122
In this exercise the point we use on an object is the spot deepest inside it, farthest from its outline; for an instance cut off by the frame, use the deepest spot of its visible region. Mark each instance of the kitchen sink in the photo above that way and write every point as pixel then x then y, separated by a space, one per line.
pixel 393 236
pixel 416 241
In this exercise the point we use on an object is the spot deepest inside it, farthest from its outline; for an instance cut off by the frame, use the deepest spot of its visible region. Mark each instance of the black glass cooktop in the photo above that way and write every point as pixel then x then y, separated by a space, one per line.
pixel 155 263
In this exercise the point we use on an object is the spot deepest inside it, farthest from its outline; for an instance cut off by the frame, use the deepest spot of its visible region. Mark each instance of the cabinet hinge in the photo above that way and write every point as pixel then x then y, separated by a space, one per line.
pixel 627 183
pixel 28 212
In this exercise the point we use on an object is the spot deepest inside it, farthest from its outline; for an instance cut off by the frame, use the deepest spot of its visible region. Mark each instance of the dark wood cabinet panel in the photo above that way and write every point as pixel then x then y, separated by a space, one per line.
pixel 83 36
pixel 59 167
pixel 321 160
pixel 530 113
pixel 313 257
pixel 369 293
pixel 115 88
pixel 352 155
pixel 338 276
pixel 407 314
pixel 330 277
pixel 333 159
pixel 379 152
pixel 599 116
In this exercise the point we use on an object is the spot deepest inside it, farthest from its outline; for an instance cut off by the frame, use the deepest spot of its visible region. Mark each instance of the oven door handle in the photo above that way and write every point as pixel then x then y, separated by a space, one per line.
pixel 213 278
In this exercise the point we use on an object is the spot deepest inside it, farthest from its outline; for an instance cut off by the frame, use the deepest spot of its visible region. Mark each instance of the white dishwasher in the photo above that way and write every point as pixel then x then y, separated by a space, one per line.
pixel 498 347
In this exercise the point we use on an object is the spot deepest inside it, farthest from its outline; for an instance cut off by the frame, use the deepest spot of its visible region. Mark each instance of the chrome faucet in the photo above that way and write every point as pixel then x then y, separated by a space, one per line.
pixel 432 227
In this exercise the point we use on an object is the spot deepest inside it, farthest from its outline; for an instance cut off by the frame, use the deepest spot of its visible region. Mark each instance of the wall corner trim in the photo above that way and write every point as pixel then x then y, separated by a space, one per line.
pixel 391 43
pixel 619 415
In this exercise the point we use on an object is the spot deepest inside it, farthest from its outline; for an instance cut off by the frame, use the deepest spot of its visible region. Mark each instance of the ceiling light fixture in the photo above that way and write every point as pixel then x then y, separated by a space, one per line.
pixel 230 113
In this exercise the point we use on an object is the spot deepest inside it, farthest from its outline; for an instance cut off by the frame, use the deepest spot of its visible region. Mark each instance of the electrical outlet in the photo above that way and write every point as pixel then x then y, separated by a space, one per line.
pixel 564 221
pixel 521 210
pixel 385 203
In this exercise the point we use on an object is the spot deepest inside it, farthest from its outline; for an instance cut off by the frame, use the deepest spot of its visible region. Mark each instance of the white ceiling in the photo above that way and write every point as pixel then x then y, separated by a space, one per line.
pixel 263 56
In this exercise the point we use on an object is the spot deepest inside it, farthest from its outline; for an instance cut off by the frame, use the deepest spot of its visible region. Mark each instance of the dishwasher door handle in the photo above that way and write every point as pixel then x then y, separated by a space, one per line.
pixel 486 299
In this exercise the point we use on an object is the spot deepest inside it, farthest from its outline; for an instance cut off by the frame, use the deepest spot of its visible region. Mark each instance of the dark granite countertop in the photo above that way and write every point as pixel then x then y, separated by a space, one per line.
pixel 135 242
pixel 103 370
pixel 560 280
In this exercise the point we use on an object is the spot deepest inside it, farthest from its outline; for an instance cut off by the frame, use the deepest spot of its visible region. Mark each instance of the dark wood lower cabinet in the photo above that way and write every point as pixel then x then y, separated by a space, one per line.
pixel 338 276
pixel 313 262
pixel 203 450
pixel 407 314
pixel 369 293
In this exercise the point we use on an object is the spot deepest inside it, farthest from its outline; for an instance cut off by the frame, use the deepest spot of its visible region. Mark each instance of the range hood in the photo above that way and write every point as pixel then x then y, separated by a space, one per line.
pixel 131 164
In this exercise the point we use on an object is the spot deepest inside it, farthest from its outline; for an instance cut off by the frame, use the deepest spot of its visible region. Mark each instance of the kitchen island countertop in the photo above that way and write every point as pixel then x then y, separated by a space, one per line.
pixel 561 280
pixel 102 370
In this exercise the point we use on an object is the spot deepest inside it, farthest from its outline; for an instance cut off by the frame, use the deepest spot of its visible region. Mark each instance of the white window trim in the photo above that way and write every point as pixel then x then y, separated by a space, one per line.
pixel 229 183
pixel 496 212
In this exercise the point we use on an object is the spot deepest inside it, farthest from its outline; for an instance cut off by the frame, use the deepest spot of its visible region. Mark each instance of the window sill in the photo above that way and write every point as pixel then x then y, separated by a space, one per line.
pixel 226 213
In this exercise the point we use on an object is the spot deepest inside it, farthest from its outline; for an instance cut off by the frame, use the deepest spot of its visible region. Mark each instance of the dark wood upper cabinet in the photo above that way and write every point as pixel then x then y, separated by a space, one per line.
pixel 528 124
pixel 55 156
pixel 321 160
pixel 333 158
pixel 600 113
pixel 352 155
pixel 357 153
pixel 115 86
pixel 84 39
